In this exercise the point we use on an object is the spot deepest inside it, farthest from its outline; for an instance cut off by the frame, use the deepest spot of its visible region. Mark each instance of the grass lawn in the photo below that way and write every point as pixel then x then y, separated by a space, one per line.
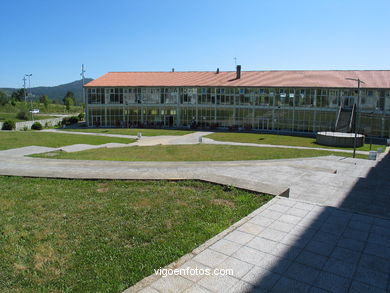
pixel 16 139
pixel 198 152
pixel 103 236
pixel 134 131
pixel 52 108
pixel 12 116
pixel 278 140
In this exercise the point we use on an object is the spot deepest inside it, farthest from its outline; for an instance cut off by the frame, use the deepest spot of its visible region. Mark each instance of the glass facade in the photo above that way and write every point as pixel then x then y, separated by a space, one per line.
pixel 285 109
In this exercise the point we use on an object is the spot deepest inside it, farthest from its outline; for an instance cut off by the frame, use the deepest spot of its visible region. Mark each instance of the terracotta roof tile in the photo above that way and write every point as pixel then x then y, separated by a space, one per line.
pixel 302 78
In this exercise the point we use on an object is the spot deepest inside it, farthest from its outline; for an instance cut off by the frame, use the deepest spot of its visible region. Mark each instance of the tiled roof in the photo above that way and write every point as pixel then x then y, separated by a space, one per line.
pixel 296 78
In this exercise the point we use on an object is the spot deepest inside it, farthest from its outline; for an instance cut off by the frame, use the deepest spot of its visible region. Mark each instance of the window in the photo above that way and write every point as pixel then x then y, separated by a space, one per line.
pixel 96 96
pixel 116 96
pixel 282 93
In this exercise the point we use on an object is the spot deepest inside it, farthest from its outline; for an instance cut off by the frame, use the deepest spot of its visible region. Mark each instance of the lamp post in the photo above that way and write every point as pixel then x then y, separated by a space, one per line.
pixel 24 88
pixel 29 93
pixel 84 96
pixel 359 81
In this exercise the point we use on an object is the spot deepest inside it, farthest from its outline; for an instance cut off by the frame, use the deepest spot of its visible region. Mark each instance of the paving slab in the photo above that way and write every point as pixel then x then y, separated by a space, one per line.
pixel 322 264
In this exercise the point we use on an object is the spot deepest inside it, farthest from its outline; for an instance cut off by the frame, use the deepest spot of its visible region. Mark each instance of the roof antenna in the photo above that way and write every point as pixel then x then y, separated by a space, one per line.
pixel 235 61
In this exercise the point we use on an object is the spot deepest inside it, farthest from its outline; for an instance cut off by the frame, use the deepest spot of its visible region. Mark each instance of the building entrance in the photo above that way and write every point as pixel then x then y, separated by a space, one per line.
pixel 348 102
pixel 96 120
pixel 264 124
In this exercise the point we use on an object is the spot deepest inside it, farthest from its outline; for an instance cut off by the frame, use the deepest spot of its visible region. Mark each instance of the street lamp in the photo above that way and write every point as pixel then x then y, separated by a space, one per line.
pixel 84 96
pixel 29 84
pixel 359 81
pixel 29 93
pixel 24 88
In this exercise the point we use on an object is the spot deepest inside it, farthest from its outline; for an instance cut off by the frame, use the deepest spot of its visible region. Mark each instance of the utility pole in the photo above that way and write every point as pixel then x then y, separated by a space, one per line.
pixel 24 87
pixel 357 103
pixel 84 97
pixel 29 93
pixel 29 84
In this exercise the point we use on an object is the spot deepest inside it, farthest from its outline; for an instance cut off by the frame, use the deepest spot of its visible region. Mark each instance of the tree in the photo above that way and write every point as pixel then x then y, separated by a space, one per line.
pixel 3 98
pixel 68 102
pixel 44 99
pixel 19 95
pixel 70 95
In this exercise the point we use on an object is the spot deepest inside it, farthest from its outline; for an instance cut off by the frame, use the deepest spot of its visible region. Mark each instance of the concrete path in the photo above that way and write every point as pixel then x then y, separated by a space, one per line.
pixel 290 245
pixel 287 246
pixel 88 133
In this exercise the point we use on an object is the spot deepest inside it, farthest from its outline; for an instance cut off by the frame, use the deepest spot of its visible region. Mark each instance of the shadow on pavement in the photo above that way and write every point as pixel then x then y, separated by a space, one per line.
pixel 328 249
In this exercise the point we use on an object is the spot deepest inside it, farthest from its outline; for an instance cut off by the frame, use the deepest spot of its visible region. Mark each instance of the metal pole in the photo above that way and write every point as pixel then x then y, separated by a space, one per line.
pixel 355 122
pixel 84 97
pixel 24 87
pixel 359 81
pixel 29 94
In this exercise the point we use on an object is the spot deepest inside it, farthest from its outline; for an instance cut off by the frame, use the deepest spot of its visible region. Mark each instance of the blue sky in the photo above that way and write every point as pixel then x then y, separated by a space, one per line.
pixel 51 39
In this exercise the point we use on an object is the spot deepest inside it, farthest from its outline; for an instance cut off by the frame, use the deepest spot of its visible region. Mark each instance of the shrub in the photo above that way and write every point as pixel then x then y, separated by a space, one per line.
pixel 25 128
pixel 70 120
pixel 65 121
pixel 73 119
pixel 22 115
pixel 36 126
pixel 8 125
pixel 81 116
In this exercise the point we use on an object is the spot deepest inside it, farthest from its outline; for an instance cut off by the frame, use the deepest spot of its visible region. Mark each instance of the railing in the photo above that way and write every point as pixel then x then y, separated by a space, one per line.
pixel 338 117
pixel 352 116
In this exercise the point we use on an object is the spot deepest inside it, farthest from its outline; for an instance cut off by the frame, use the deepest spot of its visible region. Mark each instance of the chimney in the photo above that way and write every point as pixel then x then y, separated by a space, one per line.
pixel 173 69
pixel 238 72
pixel 217 71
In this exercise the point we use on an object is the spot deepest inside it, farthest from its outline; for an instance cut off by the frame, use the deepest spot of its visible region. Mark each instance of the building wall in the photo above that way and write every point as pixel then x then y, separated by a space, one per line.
pixel 291 109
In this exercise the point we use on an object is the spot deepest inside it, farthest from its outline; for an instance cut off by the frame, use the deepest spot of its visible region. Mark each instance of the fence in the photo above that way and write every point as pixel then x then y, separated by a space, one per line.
pixel 28 124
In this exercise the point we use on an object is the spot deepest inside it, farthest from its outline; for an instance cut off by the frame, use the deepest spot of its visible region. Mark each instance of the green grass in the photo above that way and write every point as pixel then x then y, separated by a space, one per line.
pixel 133 131
pixel 12 116
pixel 52 108
pixel 104 236
pixel 199 152
pixel 278 140
pixel 16 139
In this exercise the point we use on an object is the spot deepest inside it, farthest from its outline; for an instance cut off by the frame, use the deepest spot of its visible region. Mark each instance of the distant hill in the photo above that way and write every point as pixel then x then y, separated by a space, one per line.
pixel 56 92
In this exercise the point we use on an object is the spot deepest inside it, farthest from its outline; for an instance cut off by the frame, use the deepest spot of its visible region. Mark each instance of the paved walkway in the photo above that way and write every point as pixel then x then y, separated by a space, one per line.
pixel 331 235
pixel 288 246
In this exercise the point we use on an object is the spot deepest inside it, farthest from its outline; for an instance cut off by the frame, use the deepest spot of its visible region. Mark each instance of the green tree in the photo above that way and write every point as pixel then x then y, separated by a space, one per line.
pixel 44 99
pixel 19 95
pixel 70 95
pixel 68 102
pixel 3 98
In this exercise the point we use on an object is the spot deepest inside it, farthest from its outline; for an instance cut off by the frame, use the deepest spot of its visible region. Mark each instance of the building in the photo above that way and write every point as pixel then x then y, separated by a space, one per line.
pixel 292 101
